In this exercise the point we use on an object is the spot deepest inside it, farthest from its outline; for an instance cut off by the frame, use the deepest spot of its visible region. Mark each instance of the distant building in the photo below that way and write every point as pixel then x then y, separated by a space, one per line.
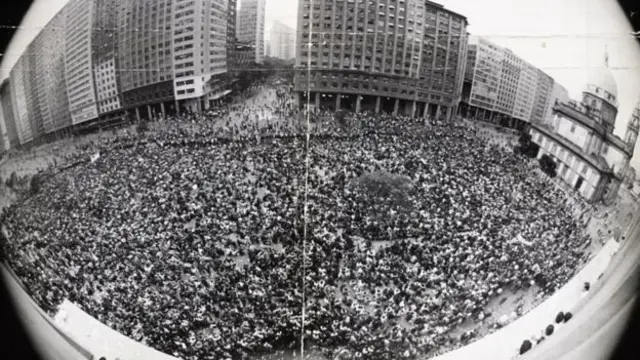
pixel 559 94
pixel 244 55
pixel 590 158
pixel 231 33
pixel 19 100
pixel 503 88
pixel 6 99
pixel 282 41
pixel 250 26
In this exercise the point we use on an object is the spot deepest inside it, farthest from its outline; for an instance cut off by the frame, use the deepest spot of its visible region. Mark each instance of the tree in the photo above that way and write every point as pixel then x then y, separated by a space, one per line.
pixel 35 184
pixel 386 189
pixel 526 146
pixel 548 166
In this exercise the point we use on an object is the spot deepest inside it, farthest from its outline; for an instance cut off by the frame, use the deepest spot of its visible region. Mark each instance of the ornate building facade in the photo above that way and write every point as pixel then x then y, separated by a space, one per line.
pixel 590 158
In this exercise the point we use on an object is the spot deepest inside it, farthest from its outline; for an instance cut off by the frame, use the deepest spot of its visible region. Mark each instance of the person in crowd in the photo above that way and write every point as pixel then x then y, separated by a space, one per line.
pixel 205 236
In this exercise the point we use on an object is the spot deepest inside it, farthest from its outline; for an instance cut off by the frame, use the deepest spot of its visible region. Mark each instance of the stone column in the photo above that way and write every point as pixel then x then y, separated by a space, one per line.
pixel 317 101
pixel 338 101
pixel 177 105
pixel 358 101
pixel 162 110
pixel 425 113
pixel 448 113
pixel 377 104
pixel 413 109
pixel 137 114
pixel 149 113
pixel 396 105
pixel 437 112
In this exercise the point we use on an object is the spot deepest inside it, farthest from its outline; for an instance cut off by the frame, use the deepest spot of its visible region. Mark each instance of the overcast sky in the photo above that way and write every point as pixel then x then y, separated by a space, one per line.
pixel 565 38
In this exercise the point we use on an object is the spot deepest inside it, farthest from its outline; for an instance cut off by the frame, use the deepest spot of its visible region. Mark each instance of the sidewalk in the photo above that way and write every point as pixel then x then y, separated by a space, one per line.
pixel 504 344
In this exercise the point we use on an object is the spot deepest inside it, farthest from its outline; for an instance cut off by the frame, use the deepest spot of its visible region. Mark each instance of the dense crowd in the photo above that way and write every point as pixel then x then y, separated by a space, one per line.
pixel 192 238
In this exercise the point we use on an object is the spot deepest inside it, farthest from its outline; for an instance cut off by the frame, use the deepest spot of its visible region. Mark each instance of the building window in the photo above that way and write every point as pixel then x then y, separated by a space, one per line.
pixel 605 149
pixel 584 169
pixel 573 128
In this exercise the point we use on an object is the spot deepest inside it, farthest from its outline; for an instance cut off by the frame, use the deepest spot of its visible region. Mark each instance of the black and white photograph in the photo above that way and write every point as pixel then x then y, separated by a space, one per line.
pixel 320 179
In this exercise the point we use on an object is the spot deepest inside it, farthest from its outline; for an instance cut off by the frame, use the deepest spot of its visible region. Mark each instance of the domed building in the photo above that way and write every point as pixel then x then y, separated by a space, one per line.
pixel 590 158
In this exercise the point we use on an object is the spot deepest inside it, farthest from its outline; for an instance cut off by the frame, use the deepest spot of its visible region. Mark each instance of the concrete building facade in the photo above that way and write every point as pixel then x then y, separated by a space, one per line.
pixel 250 26
pixel 78 61
pixel 199 55
pixel 7 100
pixel 145 57
pixel 559 94
pixel 107 61
pixel 282 41
pixel 403 57
pixel 503 88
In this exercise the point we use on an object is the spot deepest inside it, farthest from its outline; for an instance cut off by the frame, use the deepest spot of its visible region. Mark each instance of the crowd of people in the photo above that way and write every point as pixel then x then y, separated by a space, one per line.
pixel 205 237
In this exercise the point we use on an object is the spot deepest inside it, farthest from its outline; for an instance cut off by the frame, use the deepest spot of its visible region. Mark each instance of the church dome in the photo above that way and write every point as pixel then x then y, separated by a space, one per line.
pixel 601 77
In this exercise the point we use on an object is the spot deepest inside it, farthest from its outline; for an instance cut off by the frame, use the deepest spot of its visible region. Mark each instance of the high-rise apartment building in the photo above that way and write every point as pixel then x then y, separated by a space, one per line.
pixel 542 96
pixel 103 60
pixel 78 64
pixel 403 56
pixel 145 56
pixel 502 87
pixel 6 99
pixel 282 41
pixel 198 55
pixel 19 100
pixel 231 33
pixel 250 26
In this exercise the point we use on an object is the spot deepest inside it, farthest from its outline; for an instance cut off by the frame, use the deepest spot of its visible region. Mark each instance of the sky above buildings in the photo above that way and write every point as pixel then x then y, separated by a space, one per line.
pixel 565 38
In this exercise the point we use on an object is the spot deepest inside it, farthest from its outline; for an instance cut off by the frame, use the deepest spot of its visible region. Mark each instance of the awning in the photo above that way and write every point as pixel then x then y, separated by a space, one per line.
pixel 224 93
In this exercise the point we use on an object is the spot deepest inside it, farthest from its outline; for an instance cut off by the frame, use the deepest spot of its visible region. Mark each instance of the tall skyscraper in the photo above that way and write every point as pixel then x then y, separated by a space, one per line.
pixel 282 41
pixel 406 58
pixel 250 26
